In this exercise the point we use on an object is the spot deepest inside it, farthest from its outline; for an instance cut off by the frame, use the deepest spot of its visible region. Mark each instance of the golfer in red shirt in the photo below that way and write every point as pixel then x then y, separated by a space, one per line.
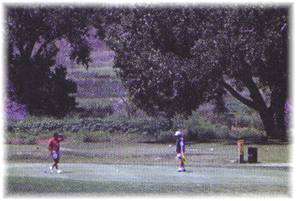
pixel 54 149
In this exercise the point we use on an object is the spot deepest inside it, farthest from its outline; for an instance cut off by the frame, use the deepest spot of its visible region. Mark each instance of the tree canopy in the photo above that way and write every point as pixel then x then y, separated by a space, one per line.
pixel 173 59
pixel 32 34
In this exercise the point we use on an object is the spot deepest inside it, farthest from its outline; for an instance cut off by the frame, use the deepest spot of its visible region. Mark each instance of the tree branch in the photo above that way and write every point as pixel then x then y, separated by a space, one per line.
pixel 239 97
pixel 20 48
pixel 255 94
pixel 44 45
pixel 48 41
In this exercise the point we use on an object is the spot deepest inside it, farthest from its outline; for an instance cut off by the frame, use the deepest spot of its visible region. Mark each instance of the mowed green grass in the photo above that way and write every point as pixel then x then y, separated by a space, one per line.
pixel 29 185
pixel 128 152
pixel 21 186
pixel 24 178
pixel 201 157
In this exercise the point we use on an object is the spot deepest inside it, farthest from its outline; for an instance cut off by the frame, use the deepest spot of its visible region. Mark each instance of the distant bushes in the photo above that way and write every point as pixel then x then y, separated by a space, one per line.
pixel 155 129
pixel 85 128
pixel 94 137
pixel 244 120
pixel 247 133
pixel 20 138
pixel 100 112
pixel 111 124
pixel 202 130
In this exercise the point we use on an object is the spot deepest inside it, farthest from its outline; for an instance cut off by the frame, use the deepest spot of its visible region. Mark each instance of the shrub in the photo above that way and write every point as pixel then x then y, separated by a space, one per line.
pixel 30 139
pixel 160 129
pixel 165 137
pixel 147 126
pixel 246 132
pixel 202 130
pixel 20 138
pixel 221 131
pixel 100 112
pixel 94 137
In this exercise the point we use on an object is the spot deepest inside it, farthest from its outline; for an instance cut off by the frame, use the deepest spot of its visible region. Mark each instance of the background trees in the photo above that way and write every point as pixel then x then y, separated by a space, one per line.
pixel 171 60
pixel 32 36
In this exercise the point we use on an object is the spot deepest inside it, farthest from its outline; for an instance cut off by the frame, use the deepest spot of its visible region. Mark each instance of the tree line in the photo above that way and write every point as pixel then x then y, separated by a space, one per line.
pixel 171 60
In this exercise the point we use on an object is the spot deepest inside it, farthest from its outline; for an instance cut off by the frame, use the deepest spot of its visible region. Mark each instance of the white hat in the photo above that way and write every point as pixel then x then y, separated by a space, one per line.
pixel 178 133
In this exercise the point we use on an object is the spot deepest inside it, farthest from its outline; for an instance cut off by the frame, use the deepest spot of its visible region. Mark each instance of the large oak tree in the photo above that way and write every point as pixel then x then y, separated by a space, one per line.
pixel 171 60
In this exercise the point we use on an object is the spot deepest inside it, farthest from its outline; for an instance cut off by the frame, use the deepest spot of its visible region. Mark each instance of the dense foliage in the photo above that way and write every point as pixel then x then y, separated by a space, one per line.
pixel 32 35
pixel 143 129
pixel 173 59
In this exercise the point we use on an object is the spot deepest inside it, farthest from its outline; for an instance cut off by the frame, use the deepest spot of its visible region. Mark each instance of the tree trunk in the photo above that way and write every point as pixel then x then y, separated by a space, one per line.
pixel 268 123
pixel 278 101
pixel 273 118
pixel 281 124
pixel 280 118
pixel 271 126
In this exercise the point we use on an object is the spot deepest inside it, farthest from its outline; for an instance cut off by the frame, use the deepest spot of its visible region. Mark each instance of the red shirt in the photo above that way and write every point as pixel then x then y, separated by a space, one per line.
pixel 54 144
